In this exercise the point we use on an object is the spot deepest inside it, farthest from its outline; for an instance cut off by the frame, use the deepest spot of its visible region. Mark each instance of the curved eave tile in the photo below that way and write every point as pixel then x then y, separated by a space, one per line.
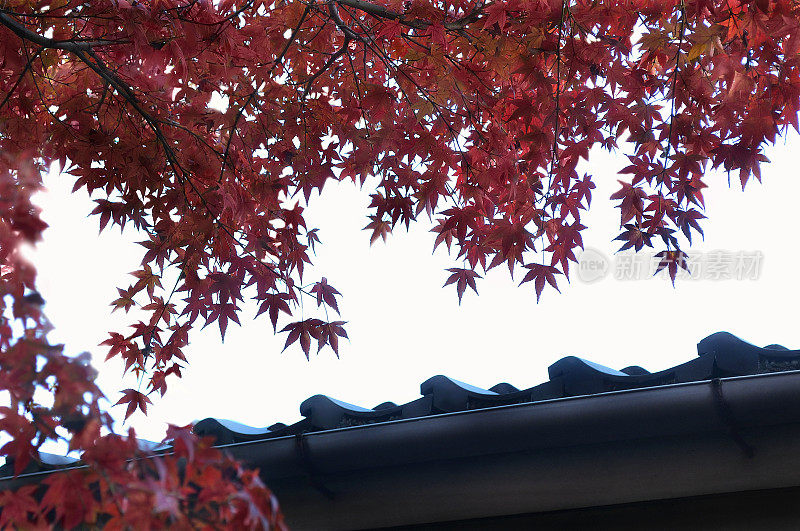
pixel 738 357
pixel 452 395
pixel 325 413
pixel 229 432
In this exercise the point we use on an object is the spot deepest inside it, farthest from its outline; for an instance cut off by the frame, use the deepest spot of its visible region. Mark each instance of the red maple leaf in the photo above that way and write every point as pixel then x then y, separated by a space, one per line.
pixel 135 400
pixel 631 202
pixel 539 274
pixel 20 508
pixel 303 331
pixel 325 293
pixel 380 229
pixel 671 260
pixel 273 304
pixel 634 237
pixel 462 278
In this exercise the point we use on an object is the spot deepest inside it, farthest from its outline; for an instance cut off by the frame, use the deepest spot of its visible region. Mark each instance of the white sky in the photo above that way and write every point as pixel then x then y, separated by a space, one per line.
pixel 404 327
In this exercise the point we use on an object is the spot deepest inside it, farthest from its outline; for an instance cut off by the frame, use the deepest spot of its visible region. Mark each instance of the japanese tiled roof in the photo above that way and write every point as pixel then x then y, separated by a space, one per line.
pixel 720 355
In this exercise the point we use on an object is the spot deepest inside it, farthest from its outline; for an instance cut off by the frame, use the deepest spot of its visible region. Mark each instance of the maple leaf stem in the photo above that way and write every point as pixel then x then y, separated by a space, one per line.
pixel 558 91
pixel 160 315
pixel 557 97
pixel 672 107
pixel 675 83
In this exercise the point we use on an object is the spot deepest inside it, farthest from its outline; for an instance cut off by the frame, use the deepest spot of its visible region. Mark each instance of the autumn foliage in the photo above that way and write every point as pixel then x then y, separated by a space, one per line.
pixel 208 125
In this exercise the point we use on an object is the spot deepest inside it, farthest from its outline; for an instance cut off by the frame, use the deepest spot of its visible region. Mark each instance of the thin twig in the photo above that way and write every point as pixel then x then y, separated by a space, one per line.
pixel 252 95
pixel 21 77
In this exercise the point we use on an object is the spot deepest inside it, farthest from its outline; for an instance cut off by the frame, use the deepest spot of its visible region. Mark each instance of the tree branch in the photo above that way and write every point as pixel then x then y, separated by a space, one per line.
pixel 252 95
pixel 332 59
pixel 333 9
pixel 386 13
pixel 20 78
pixel 29 35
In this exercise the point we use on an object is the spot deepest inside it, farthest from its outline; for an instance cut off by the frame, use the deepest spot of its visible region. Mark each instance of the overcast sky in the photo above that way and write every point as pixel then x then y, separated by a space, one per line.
pixel 404 327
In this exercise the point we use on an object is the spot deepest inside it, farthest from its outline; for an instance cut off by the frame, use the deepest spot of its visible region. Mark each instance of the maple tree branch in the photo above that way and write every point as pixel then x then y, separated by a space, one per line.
pixel 125 91
pixel 229 19
pixel 348 31
pixel 102 70
pixel 369 43
pixel 67 45
pixel 390 64
pixel 20 78
pixel 84 52
pixel 332 59
pixel 380 11
pixel 252 95
pixel 373 9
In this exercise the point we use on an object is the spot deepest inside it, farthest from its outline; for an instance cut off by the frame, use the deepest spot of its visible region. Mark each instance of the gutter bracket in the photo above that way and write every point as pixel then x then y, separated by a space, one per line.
pixel 726 415
pixel 302 453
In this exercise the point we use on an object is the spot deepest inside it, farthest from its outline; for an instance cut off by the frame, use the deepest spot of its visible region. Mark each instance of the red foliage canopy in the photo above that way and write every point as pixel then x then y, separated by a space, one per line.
pixel 476 113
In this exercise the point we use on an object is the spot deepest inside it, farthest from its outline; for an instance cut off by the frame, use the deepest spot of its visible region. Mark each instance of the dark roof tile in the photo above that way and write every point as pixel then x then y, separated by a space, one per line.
pixel 229 432
pixel 719 355
pixel 503 388
pixel 451 395
pixel 635 370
